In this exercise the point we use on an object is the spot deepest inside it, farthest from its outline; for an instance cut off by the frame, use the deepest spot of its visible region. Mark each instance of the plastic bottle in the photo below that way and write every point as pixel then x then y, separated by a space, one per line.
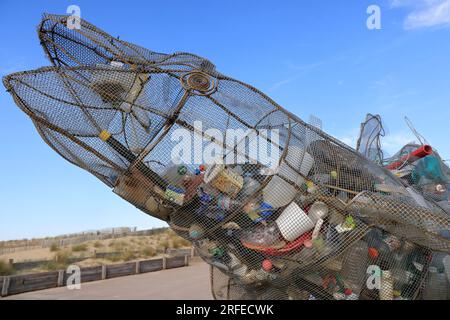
pixel 447 272
pixel 380 251
pixel 437 285
pixel 355 266
pixel 307 253
pixel 249 188
pixel 399 270
pixel 175 173
pixel 387 286
pixel 262 235
pixel 414 267
pixel 436 288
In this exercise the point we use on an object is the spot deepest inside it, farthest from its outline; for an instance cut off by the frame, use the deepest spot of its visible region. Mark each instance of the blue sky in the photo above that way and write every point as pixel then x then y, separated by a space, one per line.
pixel 312 57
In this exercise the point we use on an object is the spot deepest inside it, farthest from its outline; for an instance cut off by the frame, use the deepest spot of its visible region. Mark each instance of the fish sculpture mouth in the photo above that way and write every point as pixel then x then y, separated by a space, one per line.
pixel 113 108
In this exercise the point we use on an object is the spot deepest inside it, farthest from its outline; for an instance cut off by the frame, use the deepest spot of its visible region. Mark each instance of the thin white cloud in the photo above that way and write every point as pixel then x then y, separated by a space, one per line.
pixel 351 137
pixel 392 143
pixel 425 13
pixel 300 70
pixel 284 82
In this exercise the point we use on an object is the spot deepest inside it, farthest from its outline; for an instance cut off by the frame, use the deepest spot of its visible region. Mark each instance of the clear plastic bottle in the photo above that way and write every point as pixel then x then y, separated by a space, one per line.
pixel 447 273
pixel 399 270
pixel 436 288
pixel 387 286
pixel 437 285
pixel 354 266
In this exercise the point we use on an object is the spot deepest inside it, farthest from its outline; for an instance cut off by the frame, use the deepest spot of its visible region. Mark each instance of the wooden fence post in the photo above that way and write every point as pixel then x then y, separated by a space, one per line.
pixel 186 260
pixel 103 272
pixel 5 287
pixel 164 263
pixel 192 252
pixel 60 278
pixel 138 267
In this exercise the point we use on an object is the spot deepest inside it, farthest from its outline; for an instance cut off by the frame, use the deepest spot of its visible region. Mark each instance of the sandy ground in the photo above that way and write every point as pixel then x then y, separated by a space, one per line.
pixel 133 243
pixel 192 282
pixel 33 254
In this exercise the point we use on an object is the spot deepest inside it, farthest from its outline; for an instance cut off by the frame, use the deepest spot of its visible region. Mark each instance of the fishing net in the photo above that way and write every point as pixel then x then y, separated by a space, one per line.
pixel 277 207
pixel 369 143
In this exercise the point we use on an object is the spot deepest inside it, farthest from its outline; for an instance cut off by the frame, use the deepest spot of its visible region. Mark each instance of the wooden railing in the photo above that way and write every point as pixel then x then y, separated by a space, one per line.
pixel 15 284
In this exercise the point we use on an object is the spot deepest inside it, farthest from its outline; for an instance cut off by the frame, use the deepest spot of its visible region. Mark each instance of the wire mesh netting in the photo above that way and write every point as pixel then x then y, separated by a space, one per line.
pixel 369 143
pixel 304 216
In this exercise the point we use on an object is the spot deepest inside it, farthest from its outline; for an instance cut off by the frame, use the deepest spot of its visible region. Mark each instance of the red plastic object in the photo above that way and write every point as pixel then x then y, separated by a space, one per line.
pixel 289 247
pixel 373 253
pixel 267 265
pixel 421 152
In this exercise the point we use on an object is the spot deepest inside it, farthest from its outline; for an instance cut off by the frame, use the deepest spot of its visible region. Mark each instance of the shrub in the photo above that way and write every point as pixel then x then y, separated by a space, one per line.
pixel 62 256
pixel 5 268
pixel 178 242
pixel 98 244
pixel 128 255
pixel 53 265
pixel 148 252
pixel 79 247
pixel 118 245
pixel 54 247
pixel 115 257
pixel 60 261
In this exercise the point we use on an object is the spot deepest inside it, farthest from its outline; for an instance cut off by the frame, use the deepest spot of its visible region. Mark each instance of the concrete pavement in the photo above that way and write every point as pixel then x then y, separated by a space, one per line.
pixel 191 282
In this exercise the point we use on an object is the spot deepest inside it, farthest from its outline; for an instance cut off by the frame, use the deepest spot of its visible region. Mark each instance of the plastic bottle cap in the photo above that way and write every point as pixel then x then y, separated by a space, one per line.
pixel 373 253
pixel 308 243
pixel 339 296
pixel 267 265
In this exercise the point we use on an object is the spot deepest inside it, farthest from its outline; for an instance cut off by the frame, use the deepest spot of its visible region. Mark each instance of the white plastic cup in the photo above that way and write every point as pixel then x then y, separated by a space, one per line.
pixel 278 192
pixel 293 222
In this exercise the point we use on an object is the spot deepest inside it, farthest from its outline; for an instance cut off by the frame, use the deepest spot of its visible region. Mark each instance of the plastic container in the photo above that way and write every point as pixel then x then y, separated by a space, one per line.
pixel 437 284
pixel 318 210
pixel 354 266
pixel 387 286
pixel 436 288
pixel 278 192
pixel 428 168
pixel 293 222
pixel 224 179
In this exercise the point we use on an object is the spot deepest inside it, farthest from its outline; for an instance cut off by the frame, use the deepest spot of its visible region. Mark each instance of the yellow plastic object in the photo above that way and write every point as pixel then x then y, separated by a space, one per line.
pixel 104 135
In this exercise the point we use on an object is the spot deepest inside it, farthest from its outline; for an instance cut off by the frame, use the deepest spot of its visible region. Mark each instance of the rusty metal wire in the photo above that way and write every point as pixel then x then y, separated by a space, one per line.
pixel 308 229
